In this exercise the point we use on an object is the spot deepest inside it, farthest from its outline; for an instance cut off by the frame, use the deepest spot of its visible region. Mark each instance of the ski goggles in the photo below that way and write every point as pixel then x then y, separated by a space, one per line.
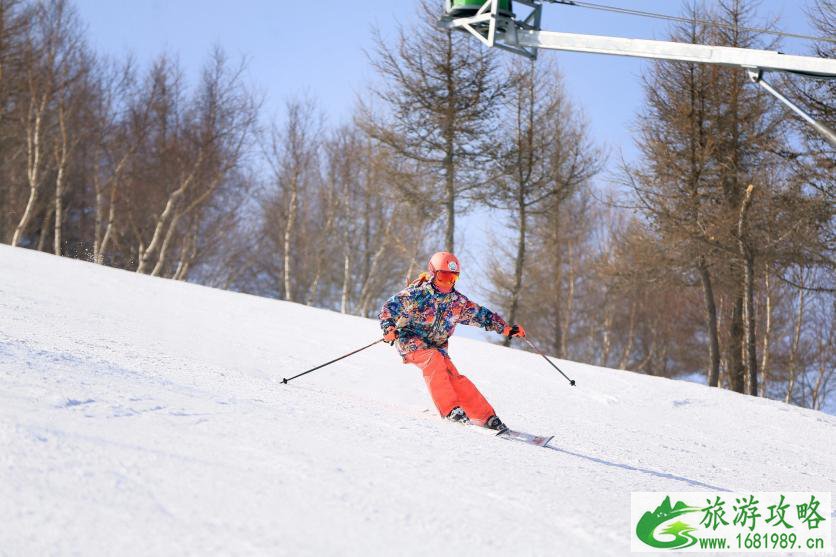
pixel 447 277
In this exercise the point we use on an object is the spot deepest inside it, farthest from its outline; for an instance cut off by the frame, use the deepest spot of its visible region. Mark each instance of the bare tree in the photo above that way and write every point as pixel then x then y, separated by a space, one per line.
pixel 72 104
pixel 348 250
pixel 748 257
pixel 293 153
pixel 120 120
pixel 693 185
pixel 543 157
pixel 206 139
pixel 441 91
pixel 674 190
pixel 16 18
pixel 46 54
pixel 816 157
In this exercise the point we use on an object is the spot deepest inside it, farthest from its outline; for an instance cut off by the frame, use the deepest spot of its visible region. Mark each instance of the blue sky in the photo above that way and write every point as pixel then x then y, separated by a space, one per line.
pixel 293 49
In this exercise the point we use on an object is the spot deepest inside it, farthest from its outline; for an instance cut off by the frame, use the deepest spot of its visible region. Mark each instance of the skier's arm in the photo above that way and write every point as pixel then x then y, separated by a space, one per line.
pixel 392 311
pixel 474 314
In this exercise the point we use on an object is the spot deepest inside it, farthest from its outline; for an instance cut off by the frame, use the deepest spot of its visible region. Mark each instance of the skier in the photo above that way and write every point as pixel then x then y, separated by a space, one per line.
pixel 421 318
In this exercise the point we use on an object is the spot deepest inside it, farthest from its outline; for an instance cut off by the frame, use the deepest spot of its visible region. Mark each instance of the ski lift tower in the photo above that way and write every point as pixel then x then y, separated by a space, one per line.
pixel 495 24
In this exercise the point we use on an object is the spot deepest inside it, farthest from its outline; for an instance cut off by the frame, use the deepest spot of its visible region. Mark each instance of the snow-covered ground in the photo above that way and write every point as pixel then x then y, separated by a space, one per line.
pixel 147 416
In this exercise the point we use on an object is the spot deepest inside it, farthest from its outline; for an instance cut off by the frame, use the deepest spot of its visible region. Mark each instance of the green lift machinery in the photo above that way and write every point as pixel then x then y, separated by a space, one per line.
pixel 470 8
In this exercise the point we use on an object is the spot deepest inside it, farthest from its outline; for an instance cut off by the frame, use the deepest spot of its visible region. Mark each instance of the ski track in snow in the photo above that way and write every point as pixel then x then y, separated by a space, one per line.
pixel 145 416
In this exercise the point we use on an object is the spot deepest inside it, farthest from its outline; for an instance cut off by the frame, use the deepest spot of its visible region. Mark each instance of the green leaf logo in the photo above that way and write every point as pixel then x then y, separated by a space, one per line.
pixel 681 531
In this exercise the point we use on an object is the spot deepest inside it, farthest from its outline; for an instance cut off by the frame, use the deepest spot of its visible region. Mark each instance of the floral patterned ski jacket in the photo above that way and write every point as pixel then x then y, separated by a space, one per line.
pixel 427 317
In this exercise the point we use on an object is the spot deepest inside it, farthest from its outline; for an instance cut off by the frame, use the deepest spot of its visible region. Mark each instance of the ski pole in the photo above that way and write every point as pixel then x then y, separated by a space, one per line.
pixel 531 344
pixel 286 379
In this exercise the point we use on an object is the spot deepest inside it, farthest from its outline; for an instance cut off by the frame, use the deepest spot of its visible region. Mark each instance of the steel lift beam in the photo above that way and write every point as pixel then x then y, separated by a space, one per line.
pixel 495 28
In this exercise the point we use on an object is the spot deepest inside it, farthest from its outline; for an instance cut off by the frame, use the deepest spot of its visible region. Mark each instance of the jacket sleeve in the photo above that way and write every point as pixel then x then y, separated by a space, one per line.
pixel 474 314
pixel 393 308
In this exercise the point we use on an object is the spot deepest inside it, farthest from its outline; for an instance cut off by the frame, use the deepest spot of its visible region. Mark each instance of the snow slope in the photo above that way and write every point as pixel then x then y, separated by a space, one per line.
pixel 147 416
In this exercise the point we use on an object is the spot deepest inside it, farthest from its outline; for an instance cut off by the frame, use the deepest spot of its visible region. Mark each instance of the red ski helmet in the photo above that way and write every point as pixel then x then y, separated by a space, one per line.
pixel 444 261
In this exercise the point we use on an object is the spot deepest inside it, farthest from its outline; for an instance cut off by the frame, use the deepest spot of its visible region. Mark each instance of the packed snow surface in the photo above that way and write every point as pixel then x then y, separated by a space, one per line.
pixel 142 416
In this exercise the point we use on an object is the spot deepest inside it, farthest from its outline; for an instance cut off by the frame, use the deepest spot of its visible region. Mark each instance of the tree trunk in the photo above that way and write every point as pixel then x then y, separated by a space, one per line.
pixel 631 337
pixel 449 162
pixel 751 340
pixel 44 229
pixel 169 211
pixel 557 305
pixel 724 382
pixel 367 210
pixel 98 212
pixel 166 243
pixel 59 209
pixel 20 229
pixel 111 218
pixel 570 298
pixel 796 339
pixel 766 334
pixel 606 335
pixel 711 325
pixel 346 282
pixel 346 237
pixel 288 236
pixel 324 241
pixel 61 159
pixel 102 239
pixel 737 368
pixel 365 295
pixel 651 353
pixel 748 257
pixel 187 255
pixel 413 259
pixel 818 390
pixel 33 160
pixel 450 206
pixel 519 265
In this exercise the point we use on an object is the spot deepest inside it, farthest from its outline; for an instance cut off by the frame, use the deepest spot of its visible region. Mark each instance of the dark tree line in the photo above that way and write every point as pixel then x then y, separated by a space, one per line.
pixel 102 161
pixel 736 199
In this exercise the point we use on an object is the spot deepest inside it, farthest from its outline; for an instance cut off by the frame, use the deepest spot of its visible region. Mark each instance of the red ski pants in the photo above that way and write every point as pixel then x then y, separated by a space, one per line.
pixel 448 387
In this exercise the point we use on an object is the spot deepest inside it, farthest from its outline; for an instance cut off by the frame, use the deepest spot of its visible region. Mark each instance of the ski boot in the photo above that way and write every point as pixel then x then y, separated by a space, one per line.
pixel 496 424
pixel 458 415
